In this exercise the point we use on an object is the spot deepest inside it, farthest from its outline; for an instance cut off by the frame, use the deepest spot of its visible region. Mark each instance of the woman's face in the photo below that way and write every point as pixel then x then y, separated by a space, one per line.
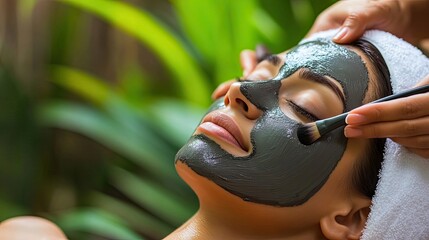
pixel 247 143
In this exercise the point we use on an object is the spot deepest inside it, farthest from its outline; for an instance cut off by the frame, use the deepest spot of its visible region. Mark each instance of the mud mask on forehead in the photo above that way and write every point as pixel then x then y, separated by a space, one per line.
pixel 281 171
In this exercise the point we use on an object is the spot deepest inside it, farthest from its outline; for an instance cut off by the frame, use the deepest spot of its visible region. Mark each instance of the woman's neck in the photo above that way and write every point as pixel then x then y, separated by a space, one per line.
pixel 200 226
pixel 205 226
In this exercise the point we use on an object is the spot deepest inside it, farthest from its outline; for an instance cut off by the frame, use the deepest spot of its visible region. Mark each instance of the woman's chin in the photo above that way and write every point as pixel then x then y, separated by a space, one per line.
pixel 186 173
pixel 206 190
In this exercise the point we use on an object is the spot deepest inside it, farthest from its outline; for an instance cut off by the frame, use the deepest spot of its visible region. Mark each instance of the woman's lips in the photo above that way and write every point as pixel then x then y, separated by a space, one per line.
pixel 222 126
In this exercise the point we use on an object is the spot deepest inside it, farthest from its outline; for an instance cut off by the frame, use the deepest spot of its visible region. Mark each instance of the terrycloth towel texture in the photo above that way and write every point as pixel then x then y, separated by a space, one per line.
pixel 400 207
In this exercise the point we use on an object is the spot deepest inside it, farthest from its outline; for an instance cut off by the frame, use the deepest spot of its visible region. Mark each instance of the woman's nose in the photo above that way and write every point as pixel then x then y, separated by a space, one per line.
pixel 236 100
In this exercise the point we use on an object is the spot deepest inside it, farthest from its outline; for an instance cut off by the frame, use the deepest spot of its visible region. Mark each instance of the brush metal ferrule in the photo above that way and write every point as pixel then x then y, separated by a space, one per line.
pixel 329 124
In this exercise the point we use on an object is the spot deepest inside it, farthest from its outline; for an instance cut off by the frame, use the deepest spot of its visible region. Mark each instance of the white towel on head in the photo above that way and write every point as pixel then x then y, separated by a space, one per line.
pixel 400 207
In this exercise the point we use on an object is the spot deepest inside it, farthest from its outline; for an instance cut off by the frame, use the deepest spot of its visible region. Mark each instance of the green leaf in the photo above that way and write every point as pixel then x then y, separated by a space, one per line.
pixel 10 209
pixel 152 196
pixel 303 12
pixel 149 31
pixel 223 29
pixel 96 221
pixel 134 87
pixel 201 33
pixel 267 26
pixel 81 83
pixel 175 120
pixel 133 216
pixel 92 123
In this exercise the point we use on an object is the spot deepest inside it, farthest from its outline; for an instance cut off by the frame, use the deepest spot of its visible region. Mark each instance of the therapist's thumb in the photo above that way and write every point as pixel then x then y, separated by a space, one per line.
pixel 353 28
pixel 373 15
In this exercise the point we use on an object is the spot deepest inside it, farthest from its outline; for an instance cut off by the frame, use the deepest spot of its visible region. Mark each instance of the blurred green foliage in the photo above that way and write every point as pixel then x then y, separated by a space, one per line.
pixel 97 96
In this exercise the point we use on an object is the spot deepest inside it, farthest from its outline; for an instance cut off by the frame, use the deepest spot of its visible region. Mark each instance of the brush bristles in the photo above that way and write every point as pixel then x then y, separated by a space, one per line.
pixel 308 133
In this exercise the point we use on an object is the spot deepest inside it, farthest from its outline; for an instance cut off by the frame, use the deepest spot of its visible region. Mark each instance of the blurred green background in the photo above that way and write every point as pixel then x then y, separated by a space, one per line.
pixel 98 95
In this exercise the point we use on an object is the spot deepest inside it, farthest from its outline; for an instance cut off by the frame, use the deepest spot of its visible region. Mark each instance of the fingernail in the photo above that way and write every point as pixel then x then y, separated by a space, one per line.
pixel 355 119
pixel 341 33
pixel 352 132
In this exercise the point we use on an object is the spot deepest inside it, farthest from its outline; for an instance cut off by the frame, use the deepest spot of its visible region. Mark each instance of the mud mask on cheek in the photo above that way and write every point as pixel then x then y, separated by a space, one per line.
pixel 281 171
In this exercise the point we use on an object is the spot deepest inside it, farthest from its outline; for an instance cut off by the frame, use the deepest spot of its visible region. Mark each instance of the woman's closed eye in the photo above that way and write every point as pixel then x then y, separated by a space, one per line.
pixel 302 113
pixel 308 98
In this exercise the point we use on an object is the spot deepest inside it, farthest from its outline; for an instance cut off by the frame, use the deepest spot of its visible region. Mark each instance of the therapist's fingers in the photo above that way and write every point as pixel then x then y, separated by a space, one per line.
pixel 261 52
pixel 248 61
pixel 249 58
pixel 379 15
pixel 402 128
pixel 222 89
pixel 405 121
pixel 400 109
pixel 356 16
pixel 418 144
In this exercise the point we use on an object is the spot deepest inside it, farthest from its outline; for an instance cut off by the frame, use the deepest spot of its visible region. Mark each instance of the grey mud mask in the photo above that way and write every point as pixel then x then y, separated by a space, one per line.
pixel 281 171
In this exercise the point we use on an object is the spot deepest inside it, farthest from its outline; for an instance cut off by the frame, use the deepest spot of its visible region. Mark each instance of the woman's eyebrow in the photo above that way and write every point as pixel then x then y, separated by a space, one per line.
pixel 273 59
pixel 312 76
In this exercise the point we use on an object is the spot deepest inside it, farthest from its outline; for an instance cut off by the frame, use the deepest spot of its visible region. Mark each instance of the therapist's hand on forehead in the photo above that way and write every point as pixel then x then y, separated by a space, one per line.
pixel 405 121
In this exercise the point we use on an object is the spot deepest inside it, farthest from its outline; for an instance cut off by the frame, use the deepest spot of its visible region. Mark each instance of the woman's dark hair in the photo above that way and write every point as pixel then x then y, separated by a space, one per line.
pixel 366 169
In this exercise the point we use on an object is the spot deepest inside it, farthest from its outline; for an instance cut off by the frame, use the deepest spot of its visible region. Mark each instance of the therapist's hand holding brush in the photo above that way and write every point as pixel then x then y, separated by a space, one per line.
pixel 405 121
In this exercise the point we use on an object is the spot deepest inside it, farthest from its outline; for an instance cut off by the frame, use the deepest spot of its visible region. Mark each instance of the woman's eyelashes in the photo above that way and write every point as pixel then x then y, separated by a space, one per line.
pixel 308 117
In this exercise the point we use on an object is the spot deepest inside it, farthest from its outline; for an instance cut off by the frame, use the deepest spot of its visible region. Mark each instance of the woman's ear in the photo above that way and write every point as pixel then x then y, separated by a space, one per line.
pixel 347 221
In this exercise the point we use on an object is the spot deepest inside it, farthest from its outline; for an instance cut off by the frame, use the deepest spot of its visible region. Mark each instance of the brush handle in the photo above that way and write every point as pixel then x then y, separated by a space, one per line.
pixel 407 93
pixel 329 124
pixel 326 125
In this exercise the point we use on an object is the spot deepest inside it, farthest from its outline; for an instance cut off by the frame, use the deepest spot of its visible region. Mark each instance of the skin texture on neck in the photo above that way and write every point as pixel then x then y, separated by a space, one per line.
pixel 280 171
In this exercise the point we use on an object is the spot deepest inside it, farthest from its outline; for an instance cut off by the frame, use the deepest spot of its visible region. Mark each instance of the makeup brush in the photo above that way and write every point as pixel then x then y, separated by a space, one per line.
pixel 311 132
